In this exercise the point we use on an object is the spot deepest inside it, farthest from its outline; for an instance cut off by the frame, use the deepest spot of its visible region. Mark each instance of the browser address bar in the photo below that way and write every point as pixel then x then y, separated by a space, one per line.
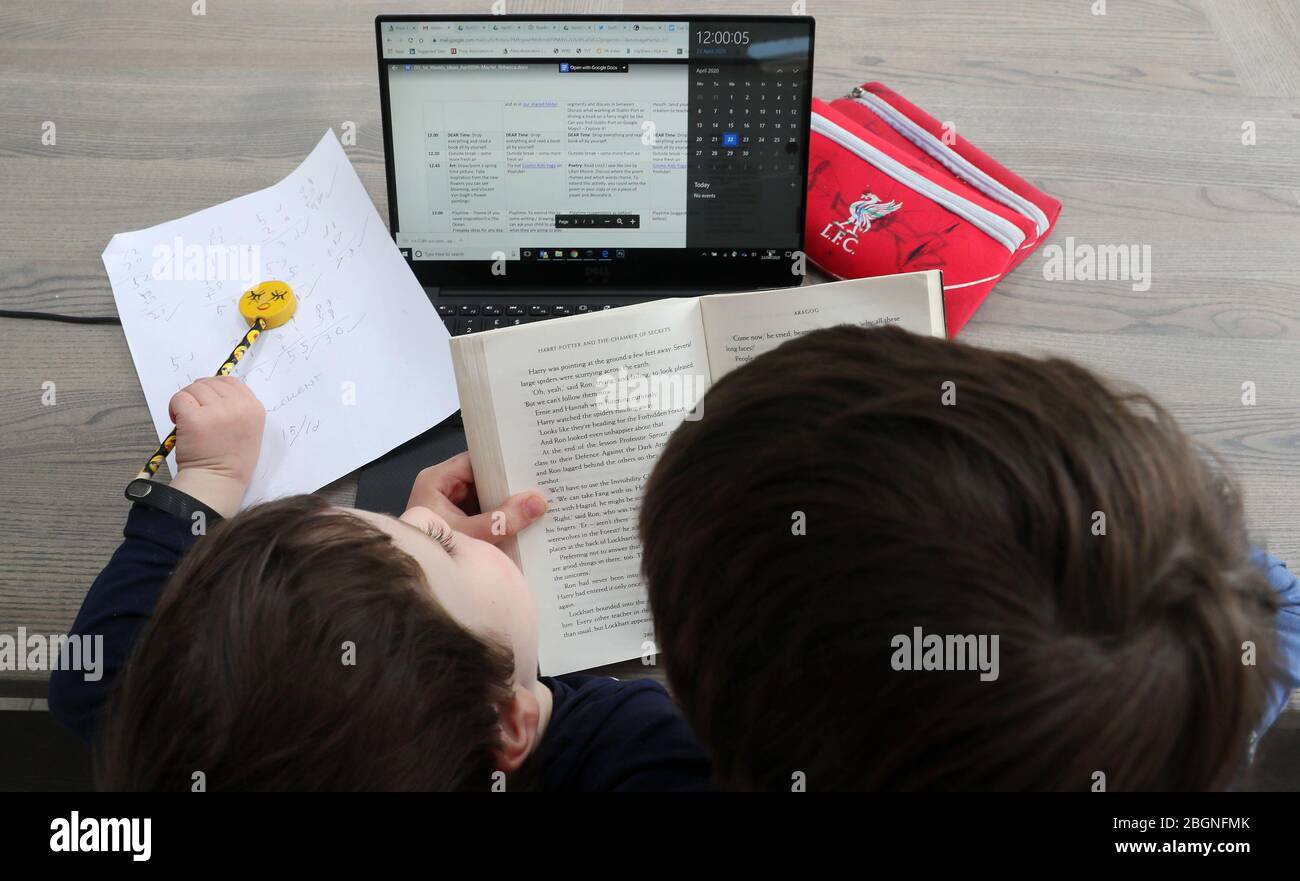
pixel 498 45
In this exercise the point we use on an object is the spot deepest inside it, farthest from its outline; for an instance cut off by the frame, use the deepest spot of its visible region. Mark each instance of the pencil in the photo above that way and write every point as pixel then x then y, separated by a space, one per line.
pixel 236 355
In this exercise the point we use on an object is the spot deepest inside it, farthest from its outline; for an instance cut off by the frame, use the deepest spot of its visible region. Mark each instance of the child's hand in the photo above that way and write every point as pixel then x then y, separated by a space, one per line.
pixel 218 437
pixel 448 490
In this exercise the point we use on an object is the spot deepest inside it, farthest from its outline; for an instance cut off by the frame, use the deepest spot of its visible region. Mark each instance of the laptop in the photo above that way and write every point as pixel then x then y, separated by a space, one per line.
pixel 546 166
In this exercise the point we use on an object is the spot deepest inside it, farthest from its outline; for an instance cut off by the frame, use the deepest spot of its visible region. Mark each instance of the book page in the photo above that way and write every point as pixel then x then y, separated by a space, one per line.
pixel 583 407
pixel 740 327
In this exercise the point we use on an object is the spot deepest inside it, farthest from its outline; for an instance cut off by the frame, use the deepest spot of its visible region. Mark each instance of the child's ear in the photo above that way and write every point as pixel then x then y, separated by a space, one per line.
pixel 519 720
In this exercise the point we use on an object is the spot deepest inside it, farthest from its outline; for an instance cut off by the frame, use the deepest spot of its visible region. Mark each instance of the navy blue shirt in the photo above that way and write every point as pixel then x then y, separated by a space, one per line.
pixel 607 735
pixel 604 734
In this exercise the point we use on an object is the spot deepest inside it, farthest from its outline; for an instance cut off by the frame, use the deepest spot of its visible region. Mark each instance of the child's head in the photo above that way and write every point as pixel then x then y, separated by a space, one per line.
pixel 853 485
pixel 303 646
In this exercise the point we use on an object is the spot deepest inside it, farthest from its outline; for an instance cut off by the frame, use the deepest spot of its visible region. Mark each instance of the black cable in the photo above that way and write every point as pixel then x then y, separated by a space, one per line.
pixel 53 316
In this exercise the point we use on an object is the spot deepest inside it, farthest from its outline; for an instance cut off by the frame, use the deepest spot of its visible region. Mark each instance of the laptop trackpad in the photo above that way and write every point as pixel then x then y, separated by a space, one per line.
pixel 385 484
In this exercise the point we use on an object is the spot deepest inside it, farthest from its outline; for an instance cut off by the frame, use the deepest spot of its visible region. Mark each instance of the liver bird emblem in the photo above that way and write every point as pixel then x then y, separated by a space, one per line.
pixel 870 208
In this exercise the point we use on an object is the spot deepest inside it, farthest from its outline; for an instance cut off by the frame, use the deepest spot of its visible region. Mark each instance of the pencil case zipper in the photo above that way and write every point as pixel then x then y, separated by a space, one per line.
pixel 1001 230
pixel 950 158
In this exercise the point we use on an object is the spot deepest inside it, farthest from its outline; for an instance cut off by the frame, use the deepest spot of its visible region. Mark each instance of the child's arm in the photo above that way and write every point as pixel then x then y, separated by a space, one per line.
pixel 218 436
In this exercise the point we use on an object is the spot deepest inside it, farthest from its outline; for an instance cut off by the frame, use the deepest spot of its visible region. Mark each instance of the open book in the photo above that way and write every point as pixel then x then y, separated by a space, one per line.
pixel 581 408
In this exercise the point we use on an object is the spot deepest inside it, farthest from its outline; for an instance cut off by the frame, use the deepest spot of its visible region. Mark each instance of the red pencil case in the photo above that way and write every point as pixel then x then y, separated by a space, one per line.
pixel 890 189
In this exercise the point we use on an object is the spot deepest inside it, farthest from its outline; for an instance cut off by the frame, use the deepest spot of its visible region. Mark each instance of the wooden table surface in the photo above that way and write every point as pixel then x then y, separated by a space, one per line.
pixel 1134 119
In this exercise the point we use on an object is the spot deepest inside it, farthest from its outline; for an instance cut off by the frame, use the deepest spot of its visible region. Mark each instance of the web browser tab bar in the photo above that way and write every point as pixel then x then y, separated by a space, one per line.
pixel 550 39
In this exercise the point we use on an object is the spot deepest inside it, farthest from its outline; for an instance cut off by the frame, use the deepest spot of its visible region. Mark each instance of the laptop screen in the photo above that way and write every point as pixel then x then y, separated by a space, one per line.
pixel 601 150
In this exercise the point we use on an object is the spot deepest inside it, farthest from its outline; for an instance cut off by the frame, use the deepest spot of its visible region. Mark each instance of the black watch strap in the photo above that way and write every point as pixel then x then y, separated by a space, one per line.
pixel 151 494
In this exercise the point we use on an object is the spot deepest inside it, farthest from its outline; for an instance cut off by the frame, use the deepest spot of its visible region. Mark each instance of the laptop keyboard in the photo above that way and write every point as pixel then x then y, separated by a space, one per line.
pixel 463 318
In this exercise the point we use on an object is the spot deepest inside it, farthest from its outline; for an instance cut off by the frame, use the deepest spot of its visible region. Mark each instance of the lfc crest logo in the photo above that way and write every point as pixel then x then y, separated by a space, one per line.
pixel 845 233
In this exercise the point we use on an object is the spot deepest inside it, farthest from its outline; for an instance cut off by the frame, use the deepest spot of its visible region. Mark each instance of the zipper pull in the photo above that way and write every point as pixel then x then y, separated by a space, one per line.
pixel 856 92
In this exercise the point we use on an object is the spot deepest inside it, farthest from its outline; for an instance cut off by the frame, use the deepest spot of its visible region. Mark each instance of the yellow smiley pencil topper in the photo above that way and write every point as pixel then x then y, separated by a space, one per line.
pixel 271 301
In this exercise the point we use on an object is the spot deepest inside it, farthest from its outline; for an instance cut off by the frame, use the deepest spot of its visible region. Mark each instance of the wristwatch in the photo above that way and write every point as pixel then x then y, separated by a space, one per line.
pixel 150 494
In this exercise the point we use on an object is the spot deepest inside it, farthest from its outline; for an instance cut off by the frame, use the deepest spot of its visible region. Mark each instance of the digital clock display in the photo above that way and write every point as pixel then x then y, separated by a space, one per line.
pixel 722 38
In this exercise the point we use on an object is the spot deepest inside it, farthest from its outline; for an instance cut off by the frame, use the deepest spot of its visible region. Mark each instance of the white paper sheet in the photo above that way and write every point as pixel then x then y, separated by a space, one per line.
pixel 363 366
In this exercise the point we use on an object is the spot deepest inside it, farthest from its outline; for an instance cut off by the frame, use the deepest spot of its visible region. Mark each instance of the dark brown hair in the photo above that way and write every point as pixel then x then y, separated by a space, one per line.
pixel 1120 653
pixel 241 674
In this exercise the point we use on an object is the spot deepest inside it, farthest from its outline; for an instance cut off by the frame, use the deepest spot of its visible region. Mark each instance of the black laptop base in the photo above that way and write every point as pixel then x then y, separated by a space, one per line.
pixel 385 484
pixel 470 310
